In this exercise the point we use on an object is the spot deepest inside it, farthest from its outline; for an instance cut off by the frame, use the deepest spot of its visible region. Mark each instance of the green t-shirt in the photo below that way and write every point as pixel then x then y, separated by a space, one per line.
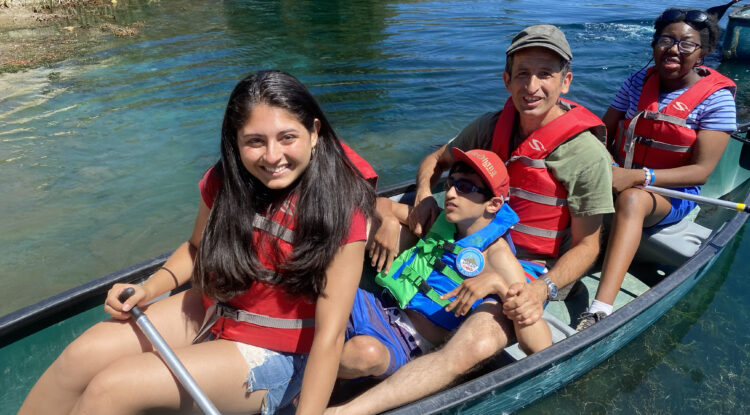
pixel 582 164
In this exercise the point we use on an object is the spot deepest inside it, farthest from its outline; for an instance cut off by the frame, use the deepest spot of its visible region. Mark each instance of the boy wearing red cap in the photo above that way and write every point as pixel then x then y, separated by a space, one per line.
pixel 465 257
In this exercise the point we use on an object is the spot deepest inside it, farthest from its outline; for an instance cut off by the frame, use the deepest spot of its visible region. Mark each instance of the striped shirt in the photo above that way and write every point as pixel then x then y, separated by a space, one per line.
pixel 717 112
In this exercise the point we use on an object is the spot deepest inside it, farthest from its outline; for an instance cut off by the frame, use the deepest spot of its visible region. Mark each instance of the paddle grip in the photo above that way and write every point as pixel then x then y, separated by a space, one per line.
pixel 124 295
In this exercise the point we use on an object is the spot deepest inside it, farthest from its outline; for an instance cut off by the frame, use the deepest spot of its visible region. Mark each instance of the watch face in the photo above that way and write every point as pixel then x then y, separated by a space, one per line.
pixel 551 288
pixel 553 291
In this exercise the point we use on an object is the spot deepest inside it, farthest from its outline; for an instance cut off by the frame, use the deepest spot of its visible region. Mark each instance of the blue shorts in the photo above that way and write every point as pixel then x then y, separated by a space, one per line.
pixel 680 207
pixel 277 372
pixel 371 317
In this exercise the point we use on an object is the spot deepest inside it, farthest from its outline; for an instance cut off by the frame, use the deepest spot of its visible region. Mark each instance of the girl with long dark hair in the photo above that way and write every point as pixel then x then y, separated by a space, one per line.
pixel 667 126
pixel 275 258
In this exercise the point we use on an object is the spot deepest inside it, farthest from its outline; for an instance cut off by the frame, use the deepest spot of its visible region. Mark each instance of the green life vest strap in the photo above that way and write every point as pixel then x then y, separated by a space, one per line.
pixel 419 282
pixel 449 272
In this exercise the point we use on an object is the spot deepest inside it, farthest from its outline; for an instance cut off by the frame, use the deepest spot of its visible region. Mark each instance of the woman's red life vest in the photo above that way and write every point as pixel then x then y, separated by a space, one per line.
pixel 266 315
pixel 662 139
pixel 538 198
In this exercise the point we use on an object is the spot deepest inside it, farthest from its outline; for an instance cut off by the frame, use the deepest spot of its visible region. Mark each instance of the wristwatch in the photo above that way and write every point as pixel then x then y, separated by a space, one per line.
pixel 551 289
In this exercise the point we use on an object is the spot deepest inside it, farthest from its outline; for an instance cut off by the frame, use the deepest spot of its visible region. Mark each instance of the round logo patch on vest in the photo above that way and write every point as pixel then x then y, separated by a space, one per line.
pixel 470 262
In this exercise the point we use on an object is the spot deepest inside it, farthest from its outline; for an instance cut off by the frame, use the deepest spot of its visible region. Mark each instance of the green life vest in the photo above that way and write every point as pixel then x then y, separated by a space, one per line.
pixel 421 274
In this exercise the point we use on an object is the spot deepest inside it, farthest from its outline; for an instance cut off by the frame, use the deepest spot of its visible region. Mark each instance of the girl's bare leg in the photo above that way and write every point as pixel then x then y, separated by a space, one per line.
pixel 138 382
pixel 177 318
pixel 634 209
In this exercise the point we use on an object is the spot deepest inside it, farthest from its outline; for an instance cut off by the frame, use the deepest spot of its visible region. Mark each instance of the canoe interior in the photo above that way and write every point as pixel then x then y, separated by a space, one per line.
pixel 31 338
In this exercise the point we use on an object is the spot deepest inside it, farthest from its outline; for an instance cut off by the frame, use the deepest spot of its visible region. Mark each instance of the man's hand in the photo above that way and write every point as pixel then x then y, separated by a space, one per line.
pixel 425 211
pixel 471 290
pixel 525 302
pixel 384 246
pixel 623 179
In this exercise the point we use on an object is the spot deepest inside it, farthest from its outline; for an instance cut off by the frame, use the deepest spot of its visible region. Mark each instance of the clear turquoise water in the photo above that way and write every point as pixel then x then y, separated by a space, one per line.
pixel 100 155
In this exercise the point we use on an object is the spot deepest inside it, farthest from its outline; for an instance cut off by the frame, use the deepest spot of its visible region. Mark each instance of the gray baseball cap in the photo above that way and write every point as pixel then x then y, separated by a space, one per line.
pixel 544 36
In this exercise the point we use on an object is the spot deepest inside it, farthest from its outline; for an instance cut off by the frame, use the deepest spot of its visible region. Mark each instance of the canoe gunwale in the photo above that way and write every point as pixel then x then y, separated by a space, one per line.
pixel 536 363
pixel 35 317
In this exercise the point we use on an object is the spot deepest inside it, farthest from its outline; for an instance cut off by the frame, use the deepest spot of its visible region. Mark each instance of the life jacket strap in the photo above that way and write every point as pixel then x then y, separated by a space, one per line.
pixel 444 269
pixel 274 228
pixel 630 140
pixel 224 311
pixel 536 197
pixel 447 246
pixel 528 161
pixel 658 116
pixel 424 287
pixel 544 233
pixel 662 145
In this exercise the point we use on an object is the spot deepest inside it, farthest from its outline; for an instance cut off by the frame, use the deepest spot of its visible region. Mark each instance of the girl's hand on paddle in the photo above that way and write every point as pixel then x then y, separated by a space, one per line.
pixel 524 302
pixel 118 310
pixel 623 179
pixel 471 290
pixel 384 245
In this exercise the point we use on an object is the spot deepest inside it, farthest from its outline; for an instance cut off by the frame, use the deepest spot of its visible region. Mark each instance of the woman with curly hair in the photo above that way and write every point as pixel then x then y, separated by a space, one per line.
pixel 667 126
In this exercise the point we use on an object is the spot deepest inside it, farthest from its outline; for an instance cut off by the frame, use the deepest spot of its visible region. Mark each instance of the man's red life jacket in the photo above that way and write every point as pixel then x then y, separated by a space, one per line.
pixel 538 198
pixel 662 139
pixel 266 315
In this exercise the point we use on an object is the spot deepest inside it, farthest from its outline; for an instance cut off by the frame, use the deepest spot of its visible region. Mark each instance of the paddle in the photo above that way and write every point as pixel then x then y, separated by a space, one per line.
pixel 168 355
pixel 740 207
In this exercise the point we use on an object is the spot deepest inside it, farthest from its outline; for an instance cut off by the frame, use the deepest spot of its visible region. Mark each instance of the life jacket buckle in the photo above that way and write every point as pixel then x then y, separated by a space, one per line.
pixel 424 287
pixel 228 312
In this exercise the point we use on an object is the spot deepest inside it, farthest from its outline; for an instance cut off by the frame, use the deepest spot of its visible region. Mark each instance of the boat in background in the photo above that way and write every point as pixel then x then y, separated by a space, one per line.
pixel 670 261
pixel 736 44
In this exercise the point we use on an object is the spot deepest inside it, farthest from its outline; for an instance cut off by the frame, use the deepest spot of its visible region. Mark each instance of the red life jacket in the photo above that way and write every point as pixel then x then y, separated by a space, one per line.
pixel 662 139
pixel 266 315
pixel 537 197
pixel 361 165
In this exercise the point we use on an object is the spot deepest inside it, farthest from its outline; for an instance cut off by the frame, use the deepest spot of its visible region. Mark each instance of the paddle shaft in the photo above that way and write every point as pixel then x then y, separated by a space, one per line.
pixel 740 207
pixel 169 357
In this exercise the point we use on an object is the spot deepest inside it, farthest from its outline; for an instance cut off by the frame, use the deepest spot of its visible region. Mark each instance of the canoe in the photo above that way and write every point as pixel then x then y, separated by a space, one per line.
pixel 669 263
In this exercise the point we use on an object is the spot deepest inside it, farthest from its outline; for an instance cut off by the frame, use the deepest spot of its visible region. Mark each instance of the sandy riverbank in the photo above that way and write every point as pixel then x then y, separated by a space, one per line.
pixel 35 33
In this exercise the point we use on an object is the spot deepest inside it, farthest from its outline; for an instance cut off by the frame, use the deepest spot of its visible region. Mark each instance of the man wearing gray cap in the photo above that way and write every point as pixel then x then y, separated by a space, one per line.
pixel 560 184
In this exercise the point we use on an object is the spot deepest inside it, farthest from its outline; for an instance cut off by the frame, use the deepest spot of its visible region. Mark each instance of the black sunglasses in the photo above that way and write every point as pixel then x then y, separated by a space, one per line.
pixel 464 186
pixel 682 15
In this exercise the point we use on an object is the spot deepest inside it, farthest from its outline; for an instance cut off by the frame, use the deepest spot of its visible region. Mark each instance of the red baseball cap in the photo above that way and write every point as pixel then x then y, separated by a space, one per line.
pixel 488 166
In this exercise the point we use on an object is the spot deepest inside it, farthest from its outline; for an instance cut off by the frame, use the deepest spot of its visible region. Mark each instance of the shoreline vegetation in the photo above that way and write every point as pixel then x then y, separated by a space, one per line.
pixel 38 33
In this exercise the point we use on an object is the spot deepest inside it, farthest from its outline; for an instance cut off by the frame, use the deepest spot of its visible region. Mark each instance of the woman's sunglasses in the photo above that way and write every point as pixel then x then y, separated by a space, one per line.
pixel 681 15
pixel 464 187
